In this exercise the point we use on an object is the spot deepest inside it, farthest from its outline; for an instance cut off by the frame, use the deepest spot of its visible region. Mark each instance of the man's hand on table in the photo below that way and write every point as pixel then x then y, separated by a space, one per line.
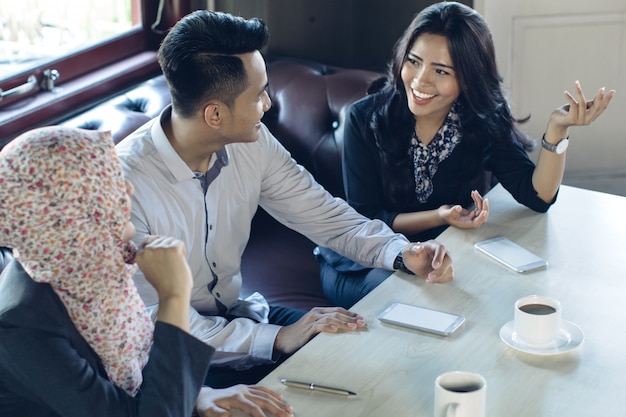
pixel 252 400
pixel 319 319
pixel 429 260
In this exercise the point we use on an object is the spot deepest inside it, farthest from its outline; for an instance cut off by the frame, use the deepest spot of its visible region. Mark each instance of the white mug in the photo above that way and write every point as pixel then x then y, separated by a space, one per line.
pixel 460 394
pixel 537 320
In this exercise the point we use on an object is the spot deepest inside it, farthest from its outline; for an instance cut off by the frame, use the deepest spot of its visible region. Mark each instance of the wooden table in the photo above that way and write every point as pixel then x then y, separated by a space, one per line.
pixel 393 370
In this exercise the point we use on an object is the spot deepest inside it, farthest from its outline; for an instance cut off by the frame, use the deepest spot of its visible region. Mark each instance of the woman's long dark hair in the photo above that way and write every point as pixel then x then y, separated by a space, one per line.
pixel 485 114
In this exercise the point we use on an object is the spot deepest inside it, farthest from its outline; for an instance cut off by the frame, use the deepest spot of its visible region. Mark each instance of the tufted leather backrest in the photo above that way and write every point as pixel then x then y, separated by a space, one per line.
pixel 309 101
pixel 126 112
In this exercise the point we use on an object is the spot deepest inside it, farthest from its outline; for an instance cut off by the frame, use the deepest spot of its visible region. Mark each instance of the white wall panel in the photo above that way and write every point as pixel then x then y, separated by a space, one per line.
pixel 543 47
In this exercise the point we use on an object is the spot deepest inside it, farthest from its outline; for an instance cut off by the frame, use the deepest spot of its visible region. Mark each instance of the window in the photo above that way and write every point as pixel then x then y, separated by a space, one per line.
pixel 33 32
pixel 96 47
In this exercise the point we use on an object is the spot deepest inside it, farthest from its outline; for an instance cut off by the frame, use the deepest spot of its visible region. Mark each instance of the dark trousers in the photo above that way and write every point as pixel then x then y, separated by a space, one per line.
pixel 222 377
pixel 345 288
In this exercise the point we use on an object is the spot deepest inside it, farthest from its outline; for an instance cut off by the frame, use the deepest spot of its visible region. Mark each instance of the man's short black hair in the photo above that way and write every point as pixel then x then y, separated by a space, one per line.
pixel 198 57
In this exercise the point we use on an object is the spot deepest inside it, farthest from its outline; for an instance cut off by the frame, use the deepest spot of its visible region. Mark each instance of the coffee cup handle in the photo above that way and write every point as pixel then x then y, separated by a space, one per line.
pixel 451 409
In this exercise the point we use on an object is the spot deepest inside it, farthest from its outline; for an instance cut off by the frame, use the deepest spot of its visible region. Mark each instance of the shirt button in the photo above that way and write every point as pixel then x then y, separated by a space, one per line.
pixel 214 264
pixel 218 295
pixel 210 227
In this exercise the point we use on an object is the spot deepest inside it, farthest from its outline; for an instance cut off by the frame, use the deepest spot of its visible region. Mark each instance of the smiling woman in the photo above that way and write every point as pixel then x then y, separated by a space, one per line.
pixel 75 53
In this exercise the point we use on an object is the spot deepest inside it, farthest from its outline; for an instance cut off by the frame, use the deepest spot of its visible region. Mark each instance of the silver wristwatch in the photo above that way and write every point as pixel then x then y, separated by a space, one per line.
pixel 559 148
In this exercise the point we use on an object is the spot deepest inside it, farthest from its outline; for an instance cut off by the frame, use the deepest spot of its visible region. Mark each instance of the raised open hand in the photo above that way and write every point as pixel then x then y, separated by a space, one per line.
pixel 578 111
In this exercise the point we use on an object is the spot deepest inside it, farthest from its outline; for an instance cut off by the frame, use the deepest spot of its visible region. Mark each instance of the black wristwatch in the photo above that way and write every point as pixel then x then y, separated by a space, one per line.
pixel 398 264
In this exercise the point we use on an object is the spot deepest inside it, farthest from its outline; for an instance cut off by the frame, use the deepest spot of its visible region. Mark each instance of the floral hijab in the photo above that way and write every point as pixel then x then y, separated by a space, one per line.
pixel 63 209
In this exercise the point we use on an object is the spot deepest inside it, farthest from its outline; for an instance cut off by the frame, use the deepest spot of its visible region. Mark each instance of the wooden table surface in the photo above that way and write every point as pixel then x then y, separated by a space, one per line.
pixel 393 370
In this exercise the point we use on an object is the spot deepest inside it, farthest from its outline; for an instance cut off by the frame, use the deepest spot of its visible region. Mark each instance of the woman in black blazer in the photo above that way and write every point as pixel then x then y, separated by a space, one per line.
pixel 75 338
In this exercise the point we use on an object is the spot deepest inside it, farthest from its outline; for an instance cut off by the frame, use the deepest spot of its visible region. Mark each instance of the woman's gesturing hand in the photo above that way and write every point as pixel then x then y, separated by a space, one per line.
pixel 578 111
pixel 463 218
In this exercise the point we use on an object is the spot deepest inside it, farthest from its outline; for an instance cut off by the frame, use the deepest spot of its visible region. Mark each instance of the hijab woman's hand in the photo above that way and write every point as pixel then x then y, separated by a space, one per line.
pixel 163 262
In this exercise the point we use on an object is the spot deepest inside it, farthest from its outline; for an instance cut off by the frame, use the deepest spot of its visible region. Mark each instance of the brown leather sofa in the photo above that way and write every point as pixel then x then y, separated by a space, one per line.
pixel 309 100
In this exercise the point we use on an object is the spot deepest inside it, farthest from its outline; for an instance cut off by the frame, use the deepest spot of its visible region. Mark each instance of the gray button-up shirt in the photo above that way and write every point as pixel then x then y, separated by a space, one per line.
pixel 215 226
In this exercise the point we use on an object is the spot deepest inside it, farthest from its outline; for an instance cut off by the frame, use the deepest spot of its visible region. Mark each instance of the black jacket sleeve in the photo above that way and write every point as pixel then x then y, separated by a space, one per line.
pixel 362 175
pixel 363 183
pixel 514 170
pixel 48 369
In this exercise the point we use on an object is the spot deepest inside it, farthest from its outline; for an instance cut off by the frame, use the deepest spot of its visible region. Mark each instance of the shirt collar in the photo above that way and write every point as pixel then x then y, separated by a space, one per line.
pixel 173 161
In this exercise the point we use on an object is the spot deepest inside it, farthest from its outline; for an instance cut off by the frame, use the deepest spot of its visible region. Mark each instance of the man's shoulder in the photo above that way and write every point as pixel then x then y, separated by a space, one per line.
pixel 136 142
pixel 136 147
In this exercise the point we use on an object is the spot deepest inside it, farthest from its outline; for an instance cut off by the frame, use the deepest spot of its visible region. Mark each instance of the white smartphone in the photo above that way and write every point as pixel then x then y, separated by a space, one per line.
pixel 420 318
pixel 511 254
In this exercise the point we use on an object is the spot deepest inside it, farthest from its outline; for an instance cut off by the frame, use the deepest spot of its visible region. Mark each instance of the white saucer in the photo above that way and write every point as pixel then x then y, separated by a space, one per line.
pixel 570 337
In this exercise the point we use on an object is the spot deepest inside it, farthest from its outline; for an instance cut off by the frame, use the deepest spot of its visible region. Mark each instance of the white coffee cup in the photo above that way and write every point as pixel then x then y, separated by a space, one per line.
pixel 537 320
pixel 460 394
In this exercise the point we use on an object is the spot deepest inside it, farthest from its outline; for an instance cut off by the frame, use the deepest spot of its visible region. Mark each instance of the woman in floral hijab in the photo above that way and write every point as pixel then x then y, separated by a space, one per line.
pixel 64 208
pixel 75 338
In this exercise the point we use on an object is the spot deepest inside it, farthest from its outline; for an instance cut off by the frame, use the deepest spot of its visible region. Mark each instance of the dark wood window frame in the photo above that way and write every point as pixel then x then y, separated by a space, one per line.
pixel 92 75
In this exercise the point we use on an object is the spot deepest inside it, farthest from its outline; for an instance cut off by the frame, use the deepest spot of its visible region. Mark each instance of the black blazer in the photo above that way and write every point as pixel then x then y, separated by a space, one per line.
pixel 48 369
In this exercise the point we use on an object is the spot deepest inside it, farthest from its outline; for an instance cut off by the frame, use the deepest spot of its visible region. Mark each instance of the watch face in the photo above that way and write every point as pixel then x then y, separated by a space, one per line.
pixel 562 146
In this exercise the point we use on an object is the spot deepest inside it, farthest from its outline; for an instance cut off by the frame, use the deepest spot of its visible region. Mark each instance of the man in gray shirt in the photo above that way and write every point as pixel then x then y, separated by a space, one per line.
pixel 201 169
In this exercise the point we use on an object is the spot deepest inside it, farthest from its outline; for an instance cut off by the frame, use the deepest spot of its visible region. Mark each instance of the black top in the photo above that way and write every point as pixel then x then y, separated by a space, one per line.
pixel 48 369
pixel 452 184
pixel 506 162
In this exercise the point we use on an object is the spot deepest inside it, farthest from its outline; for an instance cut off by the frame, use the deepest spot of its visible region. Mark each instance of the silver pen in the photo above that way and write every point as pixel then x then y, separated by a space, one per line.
pixel 312 386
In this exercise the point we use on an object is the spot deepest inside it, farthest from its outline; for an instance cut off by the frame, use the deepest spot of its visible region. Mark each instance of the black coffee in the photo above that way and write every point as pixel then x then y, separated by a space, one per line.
pixel 538 309
pixel 464 388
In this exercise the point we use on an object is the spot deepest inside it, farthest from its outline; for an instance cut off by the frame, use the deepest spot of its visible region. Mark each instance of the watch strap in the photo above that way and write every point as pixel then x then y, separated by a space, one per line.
pixel 398 265
pixel 550 147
